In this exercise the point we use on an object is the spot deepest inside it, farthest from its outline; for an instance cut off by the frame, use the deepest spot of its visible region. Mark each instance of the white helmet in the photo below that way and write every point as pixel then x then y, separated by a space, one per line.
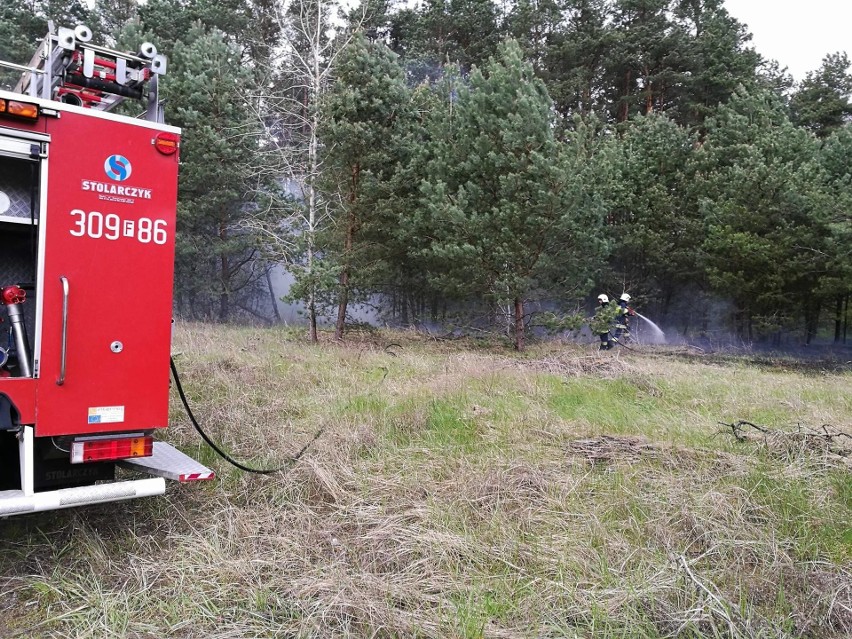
pixel 624 297
pixel 602 298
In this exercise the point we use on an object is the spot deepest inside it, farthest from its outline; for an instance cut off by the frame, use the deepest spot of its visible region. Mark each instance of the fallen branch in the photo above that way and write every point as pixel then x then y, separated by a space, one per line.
pixel 825 440
pixel 737 429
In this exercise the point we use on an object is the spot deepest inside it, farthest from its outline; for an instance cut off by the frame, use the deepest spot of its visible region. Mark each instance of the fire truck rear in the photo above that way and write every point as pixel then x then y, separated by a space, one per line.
pixel 87 229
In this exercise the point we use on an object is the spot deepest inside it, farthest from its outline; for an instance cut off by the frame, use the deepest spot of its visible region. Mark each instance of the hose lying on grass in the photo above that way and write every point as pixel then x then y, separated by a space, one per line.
pixel 259 471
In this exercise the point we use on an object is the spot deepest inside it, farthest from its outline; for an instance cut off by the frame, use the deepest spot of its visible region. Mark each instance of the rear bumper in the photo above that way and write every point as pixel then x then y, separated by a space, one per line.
pixel 15 502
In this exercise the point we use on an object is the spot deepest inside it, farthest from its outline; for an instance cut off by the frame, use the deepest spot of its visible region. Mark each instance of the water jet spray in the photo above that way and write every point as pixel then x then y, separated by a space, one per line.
pixel 658 336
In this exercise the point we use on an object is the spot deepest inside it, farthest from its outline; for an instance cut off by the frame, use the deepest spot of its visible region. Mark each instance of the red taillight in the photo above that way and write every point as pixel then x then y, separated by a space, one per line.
pixel 95 450
pixel 24 110
pixel 166 143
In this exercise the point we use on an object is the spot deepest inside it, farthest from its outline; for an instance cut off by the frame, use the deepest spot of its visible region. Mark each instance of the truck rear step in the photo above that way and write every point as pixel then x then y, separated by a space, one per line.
pixel 167 461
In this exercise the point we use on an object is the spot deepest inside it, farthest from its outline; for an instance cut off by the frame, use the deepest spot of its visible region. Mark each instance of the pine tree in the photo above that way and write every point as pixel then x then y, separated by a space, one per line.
pixel 653 220
pixel 113 17
pixel 220 182
pixel 823 102
pixel 835 160
pixel 577 56
pixel 766 233
pixel 464 32
pixel 716 59
pixel 361 116
pixel 23 23
pixel 247 24
pixel 509 211
pixel 536 26
pixel 646 58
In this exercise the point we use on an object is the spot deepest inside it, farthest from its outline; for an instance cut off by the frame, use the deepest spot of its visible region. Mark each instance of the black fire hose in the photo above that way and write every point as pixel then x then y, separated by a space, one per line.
pixel 260 471
pixel 622 344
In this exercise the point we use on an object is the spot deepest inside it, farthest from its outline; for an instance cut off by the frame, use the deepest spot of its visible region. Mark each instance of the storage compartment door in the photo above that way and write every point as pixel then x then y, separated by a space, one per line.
pixel 109 254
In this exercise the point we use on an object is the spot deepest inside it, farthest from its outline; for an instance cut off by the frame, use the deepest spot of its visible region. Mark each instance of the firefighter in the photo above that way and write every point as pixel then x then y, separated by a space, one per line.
pixel 602 321
pixel 622 319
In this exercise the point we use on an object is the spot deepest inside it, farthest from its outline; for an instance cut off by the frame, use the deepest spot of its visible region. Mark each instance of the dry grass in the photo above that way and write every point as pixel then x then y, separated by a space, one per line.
pixel 461 491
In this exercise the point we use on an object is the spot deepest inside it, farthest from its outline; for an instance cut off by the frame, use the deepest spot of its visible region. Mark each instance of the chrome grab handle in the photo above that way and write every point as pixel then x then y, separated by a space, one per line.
pixel 64 280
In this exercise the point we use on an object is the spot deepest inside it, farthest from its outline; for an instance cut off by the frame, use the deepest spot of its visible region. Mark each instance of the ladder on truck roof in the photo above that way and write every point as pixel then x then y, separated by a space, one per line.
pixel 68 68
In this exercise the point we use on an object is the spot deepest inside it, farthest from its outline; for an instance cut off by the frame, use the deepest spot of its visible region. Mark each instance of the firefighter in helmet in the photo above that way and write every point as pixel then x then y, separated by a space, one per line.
pixel 602 321
pixel 622 319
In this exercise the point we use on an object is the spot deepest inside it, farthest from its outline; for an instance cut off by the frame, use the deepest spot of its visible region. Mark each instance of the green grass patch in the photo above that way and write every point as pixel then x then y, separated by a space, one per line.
pixel 813 516
pixel 612 405
pixel 364 405
pixel 448 426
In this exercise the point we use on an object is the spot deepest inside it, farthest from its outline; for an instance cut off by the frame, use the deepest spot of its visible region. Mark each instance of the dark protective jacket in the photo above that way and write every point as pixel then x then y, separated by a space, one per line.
pixel 622 318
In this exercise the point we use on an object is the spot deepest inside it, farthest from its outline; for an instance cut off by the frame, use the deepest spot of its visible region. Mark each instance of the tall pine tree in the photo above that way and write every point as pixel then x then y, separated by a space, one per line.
pixel 766 233
pixel 509 209
pixel 362 116
pixel 823 101
pixel 221 180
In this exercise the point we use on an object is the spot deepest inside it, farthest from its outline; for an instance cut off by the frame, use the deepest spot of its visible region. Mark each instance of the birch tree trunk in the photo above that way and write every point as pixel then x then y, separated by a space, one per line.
pixel 297 86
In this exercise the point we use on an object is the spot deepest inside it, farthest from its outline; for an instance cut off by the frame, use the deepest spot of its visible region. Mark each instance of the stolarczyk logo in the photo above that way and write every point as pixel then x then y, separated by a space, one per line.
pixel 118 168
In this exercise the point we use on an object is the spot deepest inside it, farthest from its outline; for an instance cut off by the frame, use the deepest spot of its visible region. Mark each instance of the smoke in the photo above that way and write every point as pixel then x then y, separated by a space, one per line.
pixel 294 312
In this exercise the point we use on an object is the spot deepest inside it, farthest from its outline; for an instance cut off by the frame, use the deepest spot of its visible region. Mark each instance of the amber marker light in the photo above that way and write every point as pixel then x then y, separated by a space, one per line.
pixel 166 143
pixel 24 110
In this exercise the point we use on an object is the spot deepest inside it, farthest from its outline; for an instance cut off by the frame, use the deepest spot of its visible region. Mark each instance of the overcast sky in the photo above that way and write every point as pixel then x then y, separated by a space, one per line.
pixel 797 33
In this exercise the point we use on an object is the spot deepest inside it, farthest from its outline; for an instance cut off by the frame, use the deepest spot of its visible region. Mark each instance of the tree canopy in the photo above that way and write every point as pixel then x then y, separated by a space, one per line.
pixel 499 161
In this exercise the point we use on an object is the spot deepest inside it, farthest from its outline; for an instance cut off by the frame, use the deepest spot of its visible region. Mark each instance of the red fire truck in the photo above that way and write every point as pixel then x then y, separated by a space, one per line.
pixel 87 230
